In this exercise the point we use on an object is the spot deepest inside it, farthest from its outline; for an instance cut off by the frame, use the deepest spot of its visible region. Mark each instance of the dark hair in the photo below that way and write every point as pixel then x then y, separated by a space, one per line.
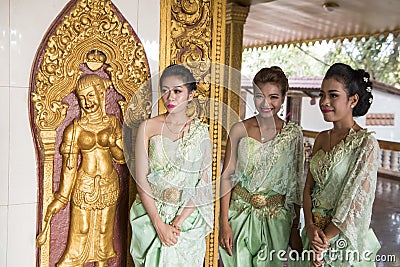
pixel 184 73
pixel 355 82
pixel 274 75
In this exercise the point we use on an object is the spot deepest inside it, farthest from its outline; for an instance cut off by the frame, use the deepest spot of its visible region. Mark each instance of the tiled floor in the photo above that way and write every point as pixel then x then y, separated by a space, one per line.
pixel 386 220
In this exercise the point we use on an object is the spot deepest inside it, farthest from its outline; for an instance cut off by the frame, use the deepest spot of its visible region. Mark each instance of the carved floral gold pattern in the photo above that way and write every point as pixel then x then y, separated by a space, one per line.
pixel 91 25
pixel 195 36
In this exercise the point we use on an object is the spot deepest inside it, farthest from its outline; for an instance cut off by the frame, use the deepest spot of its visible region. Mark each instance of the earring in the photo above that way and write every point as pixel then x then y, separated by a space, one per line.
pixel 191 109
pixel 282 112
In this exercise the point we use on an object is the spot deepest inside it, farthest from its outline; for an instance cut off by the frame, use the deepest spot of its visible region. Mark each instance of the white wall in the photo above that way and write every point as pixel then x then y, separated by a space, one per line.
pixel 312 119
pixel 22 26
pixel 386 103
pixel 311 116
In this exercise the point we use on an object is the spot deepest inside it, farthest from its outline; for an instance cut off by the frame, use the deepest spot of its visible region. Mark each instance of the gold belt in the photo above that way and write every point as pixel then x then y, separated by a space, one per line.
pixel 258 201
pixel 170 195
pixel 320 221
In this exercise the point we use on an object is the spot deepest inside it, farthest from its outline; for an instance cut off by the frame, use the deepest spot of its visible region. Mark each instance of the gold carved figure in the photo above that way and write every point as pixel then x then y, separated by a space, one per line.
pixel 92 187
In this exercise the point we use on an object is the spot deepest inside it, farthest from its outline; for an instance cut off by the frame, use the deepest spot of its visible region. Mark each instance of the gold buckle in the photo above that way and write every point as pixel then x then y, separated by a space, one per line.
pixel 258 201
pixel 172 195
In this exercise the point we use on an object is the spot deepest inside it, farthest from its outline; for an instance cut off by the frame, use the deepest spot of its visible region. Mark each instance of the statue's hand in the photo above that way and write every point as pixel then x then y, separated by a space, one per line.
pixel 54 207
pixel 112 140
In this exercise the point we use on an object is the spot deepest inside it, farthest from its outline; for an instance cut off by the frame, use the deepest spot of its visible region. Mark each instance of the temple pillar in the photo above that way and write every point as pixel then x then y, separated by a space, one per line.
pixel 236 15
pixel 193 33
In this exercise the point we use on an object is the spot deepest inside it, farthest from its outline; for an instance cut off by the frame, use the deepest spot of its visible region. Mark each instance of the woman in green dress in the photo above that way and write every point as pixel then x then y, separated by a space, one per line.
pixel 261 184
pixel 173 211
pixel 340 186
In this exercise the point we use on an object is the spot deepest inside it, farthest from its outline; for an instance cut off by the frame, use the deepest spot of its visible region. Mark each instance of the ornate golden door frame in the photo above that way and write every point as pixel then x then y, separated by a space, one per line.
pixel 190 32
pixel 86 35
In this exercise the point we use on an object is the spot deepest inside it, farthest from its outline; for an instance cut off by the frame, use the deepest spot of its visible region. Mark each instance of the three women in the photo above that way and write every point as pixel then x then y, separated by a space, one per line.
pixel 262 180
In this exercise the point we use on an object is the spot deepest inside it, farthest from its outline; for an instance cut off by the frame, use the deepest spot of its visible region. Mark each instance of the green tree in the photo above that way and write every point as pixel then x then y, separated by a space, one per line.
pixel 380 56
pixel 292 59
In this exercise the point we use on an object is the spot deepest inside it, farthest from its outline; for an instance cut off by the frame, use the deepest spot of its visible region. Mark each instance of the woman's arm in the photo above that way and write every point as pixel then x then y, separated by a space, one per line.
pixel 225 234
pixel 331 231
pixel 307 203
pixel 186 212
pixel 166 233
pixel 295 239
pixel 298 177
pixel 316 236
pixel 202 198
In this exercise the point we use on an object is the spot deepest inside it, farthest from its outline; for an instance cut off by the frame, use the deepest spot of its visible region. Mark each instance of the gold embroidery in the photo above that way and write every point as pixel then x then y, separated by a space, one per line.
pixel 169 195
pixel 172 195
pixel 258 201
pixel 321 221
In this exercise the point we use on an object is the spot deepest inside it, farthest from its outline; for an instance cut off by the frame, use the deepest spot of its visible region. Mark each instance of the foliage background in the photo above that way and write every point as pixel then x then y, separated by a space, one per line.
pixel 380 56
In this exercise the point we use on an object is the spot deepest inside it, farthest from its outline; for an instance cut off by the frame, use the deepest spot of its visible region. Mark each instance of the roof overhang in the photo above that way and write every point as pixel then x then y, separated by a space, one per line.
pixel 279 22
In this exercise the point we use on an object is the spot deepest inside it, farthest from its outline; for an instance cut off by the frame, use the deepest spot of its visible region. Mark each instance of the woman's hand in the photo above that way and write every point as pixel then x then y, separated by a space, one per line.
pixel 177 222
pixel 295 240
pixel 167 234
pixel 318 241
pixel 226 237
pixel 318 260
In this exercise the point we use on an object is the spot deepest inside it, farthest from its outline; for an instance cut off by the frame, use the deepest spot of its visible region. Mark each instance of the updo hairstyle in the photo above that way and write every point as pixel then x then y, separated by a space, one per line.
pixel 355 82
pixel 273 75
pixel 184 73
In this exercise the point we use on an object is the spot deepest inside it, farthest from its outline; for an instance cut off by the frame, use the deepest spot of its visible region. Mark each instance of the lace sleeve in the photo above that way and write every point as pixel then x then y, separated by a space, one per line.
pixel 296 171
pixel 299 169
pixel 203 196
pixel 354 206
pixel 200 195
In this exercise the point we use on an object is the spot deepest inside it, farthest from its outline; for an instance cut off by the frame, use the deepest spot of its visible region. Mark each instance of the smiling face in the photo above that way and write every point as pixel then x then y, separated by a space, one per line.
pixel 334 102
pixel 268 99
pixel 89 99
pixel 175 94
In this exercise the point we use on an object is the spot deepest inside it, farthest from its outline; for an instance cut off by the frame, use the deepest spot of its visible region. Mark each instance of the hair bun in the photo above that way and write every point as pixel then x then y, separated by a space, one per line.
pixel 355 82
pixel 364 93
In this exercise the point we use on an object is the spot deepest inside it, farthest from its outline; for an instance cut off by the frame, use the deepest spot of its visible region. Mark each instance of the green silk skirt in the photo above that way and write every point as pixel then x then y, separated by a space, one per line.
pixel 257 236
pixel 146 248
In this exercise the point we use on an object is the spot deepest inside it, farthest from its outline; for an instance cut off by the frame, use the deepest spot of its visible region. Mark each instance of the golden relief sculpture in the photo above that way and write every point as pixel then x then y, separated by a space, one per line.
pixel 194 34
pixel 93 187
pixel 91 25
pixel 90 50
